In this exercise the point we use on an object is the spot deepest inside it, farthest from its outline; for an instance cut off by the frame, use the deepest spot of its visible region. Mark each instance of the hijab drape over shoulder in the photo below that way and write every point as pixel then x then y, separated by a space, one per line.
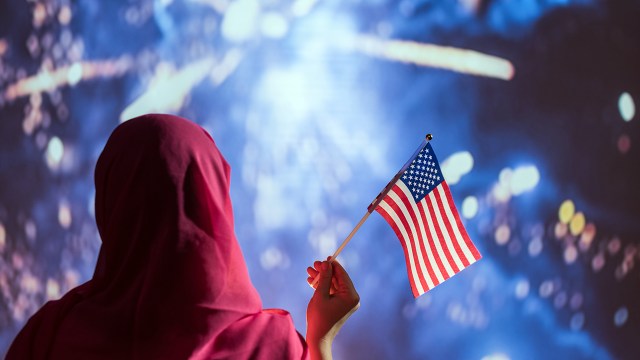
pixel 171 281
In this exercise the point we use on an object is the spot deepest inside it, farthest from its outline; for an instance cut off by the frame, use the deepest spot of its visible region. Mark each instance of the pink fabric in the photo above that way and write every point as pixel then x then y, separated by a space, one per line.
pixel 171 281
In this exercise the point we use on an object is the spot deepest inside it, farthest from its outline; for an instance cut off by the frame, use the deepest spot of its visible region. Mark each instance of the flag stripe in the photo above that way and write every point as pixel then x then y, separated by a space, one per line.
pixel 407 222
pixel 436 269
pixel 436 240
pixel 443 266
pixel 387 212
pixel 459 254
pixel 427 271
pixel 452 224
pixel 441 232
pixel 421 211
pixel 471 252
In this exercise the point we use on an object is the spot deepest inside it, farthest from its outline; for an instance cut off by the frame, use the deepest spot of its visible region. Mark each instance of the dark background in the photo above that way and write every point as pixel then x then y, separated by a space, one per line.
pixel 314 128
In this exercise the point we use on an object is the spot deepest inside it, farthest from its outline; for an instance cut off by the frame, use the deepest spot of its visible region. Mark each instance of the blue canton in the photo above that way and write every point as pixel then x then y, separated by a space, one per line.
pixel 423 175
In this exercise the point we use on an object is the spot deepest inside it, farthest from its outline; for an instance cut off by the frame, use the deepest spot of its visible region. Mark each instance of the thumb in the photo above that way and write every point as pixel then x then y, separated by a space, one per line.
pixel 324 284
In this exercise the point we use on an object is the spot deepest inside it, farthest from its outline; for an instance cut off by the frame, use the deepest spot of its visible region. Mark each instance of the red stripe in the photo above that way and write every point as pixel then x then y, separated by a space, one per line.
pixel 463 231
pixel 432 245
pixel 403 219
pixel 392 223
pixel 440 236
pixel 452 235
pixel 422 251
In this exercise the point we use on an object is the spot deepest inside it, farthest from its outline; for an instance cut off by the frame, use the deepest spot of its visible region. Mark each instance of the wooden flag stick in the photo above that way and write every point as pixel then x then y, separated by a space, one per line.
pixel 374 204
pixel 344 243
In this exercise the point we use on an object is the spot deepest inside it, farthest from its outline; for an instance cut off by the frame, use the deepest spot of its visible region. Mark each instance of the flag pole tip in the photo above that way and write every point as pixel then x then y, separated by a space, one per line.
pixel 429 137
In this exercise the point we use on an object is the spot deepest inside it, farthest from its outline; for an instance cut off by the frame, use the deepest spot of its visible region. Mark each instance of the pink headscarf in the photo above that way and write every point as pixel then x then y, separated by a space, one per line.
pixel 171 281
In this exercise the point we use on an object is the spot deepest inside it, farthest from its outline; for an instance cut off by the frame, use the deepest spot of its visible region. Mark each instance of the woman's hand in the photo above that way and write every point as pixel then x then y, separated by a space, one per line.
pixel 334 300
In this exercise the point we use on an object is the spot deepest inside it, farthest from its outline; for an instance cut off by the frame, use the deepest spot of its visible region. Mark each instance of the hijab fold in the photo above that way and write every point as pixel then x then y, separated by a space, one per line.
pixel 170 281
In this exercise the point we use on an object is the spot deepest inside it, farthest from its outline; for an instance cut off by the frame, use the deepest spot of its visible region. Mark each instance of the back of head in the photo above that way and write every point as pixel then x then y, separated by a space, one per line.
pixel 170 273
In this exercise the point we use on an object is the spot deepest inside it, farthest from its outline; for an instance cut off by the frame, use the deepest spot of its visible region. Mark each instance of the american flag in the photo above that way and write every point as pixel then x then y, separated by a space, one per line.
pixel 420 209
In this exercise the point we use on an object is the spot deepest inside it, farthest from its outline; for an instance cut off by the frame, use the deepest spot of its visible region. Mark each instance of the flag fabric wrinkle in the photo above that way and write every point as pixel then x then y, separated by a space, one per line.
pixel 420 209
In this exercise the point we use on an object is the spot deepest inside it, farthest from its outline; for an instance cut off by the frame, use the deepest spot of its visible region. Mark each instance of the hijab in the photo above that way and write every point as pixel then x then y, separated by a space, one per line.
pixel 170 280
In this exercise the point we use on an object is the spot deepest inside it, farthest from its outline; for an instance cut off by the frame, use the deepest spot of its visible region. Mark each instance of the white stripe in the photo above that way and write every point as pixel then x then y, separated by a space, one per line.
pixel 425 239
pixel 407 217
pixel 454 225
pixel 445 232
pixel 398 223
pixel 436 241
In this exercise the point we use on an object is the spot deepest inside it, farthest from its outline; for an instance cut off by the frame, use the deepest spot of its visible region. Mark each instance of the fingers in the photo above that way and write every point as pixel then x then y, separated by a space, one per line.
pixel 312 272
pixel 341 275
pixel 324 284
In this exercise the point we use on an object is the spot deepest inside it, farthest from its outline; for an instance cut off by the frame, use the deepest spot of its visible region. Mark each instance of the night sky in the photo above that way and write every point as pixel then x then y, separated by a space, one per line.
pixel 316 105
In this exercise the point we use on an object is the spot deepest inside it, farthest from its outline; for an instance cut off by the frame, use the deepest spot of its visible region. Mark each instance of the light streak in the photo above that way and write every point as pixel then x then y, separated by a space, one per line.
pixel 227 66
pixel 70 75
pixel 444 57
pixel 302 7
pixel 220 6
pixel 168 91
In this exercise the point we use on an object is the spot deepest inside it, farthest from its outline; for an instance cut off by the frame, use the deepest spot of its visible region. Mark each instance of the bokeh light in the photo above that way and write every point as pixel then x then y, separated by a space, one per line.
pixel 315 105
pixel 626 106
pixel 469 207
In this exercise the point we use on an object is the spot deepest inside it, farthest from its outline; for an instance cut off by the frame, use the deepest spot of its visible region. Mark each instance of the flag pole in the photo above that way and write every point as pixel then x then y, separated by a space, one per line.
pixel 374 204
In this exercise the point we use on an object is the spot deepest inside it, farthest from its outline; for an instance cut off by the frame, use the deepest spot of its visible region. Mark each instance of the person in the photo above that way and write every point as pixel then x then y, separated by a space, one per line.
pixel 170 281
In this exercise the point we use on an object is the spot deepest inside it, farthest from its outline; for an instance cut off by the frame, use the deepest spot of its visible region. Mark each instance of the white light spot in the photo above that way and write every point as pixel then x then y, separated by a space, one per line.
pixel 570 254
pixel 621 316
pixel 74 75
pixel 598 261
pixel 64 215
pixel 30 229
pixel 470 207
pixel 626 106
pixel 535 247
pixel 576 301
pixel 502 234
pixel 274 258
pixel 54 153
pixel 273 25
pixel 522 289
pixel 239 23
pixel 53 289
pixel 546 289
pixel 560 300
pixel 3 237
pixel 496 356
pixel 456 166
pixel 577 321
pixel 524 178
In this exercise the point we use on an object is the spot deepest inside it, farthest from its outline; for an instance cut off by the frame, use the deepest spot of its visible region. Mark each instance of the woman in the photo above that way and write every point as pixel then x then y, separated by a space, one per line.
pixel 170 281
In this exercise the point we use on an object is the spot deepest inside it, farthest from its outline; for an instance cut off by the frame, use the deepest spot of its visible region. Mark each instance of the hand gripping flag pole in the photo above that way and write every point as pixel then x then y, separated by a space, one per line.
pixel 418 205
pixel 375 203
